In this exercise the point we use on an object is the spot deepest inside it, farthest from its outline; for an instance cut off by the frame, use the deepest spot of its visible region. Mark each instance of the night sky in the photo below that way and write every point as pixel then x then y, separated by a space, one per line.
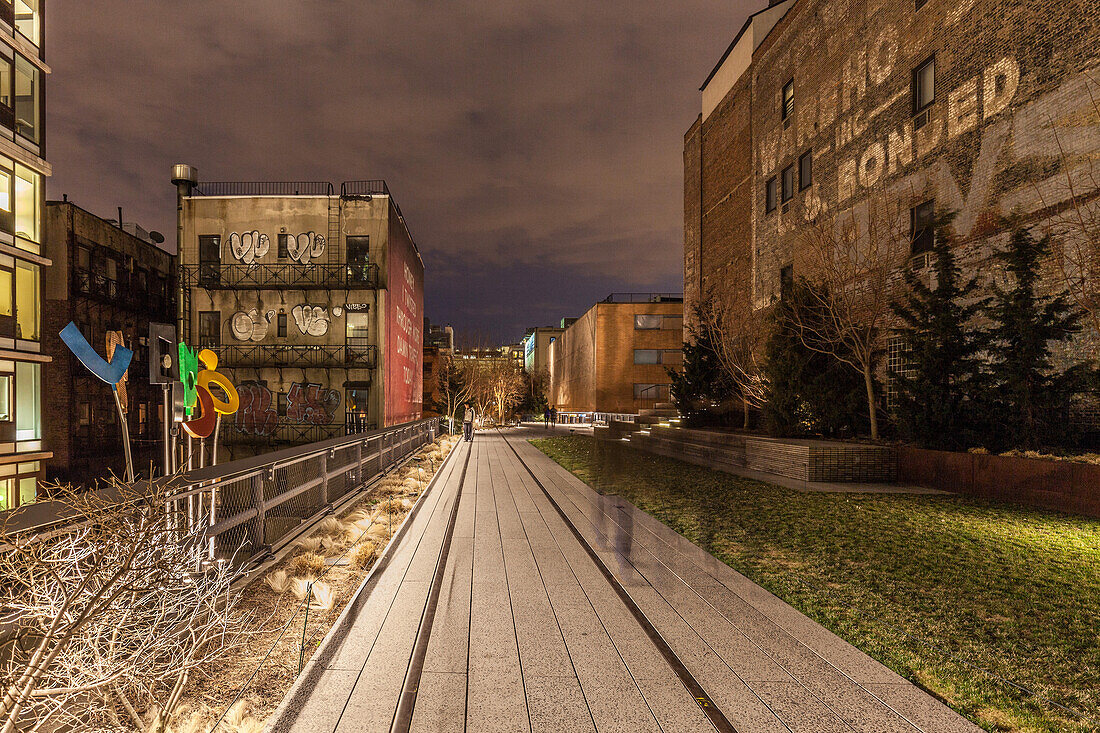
pixel 534 148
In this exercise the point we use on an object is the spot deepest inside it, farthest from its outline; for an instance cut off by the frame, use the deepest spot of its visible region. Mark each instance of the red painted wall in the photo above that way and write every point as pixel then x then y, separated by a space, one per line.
pixel 404 375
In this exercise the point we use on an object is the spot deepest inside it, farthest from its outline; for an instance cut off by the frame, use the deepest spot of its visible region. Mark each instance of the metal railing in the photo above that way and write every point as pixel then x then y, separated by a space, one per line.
pixel 117 292
pixel 313 276
pixel 644 298
pixel 254 505
pixel 376 187
pixel 263 188
pixel 285 433
pixel 301 355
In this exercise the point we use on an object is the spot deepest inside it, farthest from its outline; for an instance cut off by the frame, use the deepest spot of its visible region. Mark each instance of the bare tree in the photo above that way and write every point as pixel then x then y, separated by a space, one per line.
pixel 456 382
pixel 738 333
pixel 505 386
pixel 852 261
pixel 1075 227
pixel 110 616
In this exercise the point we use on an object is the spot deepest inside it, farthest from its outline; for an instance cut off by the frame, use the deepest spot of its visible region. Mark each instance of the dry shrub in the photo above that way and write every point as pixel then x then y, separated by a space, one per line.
pixel 380 531
pixel 330 526
pixel 238 720
pixel 278 581
pixel 324 598
pixel 412 484
pixel 300 587
pixel 363 554
pixel 308 564
pixel 396 505
pixel 309 544
pixel 189 721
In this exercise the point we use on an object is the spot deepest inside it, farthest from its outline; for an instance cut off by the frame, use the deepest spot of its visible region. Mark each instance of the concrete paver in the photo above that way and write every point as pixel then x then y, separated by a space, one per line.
pixel 601 620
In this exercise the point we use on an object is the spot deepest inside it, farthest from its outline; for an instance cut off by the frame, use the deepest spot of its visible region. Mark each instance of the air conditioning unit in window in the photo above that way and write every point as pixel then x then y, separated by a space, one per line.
pixel 921 120
pixel 786 208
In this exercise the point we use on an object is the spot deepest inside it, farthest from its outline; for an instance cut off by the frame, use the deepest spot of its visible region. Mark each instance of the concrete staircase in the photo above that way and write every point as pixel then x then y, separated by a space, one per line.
pixel 662 414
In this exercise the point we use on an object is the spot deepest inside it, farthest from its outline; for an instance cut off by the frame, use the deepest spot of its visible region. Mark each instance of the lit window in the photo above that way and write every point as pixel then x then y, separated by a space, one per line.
pixel 28 19
pixel 26 203
pixel 924 85
pixel 7 71
pixel 27 89
pixel 27 300
pixel 788 99
pixel 6 294
pixel 788 183
pixel 805 170
pixel 647 322
pixel 28 401
pixel 5 397
pixel 28 490
pixel 358 327
pixel 771 194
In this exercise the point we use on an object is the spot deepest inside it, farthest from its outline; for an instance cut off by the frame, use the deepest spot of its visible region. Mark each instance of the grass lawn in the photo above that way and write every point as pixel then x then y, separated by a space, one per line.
pixel 926 584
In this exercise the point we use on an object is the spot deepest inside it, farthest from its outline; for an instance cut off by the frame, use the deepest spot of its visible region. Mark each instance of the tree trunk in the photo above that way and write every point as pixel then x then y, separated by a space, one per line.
pixel 745 413
pixel 872 408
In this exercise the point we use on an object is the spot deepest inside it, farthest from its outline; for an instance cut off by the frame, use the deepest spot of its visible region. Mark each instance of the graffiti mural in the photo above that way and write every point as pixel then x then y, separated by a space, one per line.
pixel 249 247
pixel 250 325
pixel 311 403
pixel 257 414
pixel 305 247
pixel 311 320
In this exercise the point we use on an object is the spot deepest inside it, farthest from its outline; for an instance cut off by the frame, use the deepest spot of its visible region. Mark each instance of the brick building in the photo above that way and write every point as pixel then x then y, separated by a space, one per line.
pixel 104 278
pixel 821 110
pixel 313 300
pixel 614 358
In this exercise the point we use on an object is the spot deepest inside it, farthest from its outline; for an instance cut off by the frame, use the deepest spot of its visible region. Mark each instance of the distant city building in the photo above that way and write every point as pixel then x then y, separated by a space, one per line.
pixel 111 282
pixel 536 348
pixel 442 337
pixel 22 169
pixel 313 300
pixel 614 358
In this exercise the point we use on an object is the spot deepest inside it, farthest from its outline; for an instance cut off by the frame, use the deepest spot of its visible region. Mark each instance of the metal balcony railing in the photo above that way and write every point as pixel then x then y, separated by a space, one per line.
pixel 263 188
pixel 644 298
pixel 295 277
pixel 255 505
pixel 115 292
pixel 304 356
pixel 376 187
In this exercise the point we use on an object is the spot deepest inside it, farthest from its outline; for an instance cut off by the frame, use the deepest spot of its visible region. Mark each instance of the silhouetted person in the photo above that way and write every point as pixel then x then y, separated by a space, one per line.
pixel 553 416
pixel 468 423
pixel 546 417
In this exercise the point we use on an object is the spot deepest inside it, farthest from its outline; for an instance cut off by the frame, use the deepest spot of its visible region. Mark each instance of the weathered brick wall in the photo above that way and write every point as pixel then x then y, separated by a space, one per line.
pixel 1014 123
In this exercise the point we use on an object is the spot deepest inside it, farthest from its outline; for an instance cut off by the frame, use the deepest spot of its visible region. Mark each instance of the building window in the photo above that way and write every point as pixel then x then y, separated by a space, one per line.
pixel 6 293
pixel 358 328
pixel 7 81
pixel 788 99
pixel 210 328
pixel 27 187
pixel 281 326
pixel 27 300
pixel 788 183
pixel 27 89
pixel 786 280
pixel 647 322
pixel 647 356
pixel 280 404
pixel 922 231
pixel 210 246
pixel 28 401
pixel 920 4
pixel 84 413
pixel 5 397
pixel 358 258
pixel 647 391
pixel 284 246
pixel 28 20
pixel 898 363
pixel 924 86
pixel 805 170
pixel 771 194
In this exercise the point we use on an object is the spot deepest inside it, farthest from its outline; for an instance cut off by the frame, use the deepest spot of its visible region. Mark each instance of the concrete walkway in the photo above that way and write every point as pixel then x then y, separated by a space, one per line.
pixel 518 599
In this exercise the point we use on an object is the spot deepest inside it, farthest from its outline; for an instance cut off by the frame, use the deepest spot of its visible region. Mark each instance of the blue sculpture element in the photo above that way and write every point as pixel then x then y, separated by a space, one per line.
pixel 110 372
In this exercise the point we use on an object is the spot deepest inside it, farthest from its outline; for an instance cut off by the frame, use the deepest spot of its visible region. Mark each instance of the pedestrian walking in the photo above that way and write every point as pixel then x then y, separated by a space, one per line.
pixel 468 423
pixel 553 416
pixel 546 417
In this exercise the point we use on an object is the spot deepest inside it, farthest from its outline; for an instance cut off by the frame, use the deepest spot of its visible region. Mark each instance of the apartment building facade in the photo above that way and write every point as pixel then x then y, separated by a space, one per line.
pixel 879 116
pixel 23 168
pixel 311 296
pixel 536 348
pixel 615 358
pixel 112 281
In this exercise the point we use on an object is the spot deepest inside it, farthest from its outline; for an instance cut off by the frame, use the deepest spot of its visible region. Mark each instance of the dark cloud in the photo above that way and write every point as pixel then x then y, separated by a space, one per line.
pixel 535 148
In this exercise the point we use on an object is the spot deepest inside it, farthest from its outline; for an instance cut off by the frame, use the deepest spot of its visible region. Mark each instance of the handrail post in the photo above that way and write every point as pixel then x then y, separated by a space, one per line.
pixel 359 463
pixel 261 520
pixel 324 478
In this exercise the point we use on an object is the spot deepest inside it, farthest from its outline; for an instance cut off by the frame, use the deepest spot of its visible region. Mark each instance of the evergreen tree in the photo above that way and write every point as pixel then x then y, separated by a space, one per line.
pixel 809 392
pixel 936 392
pixel 1030 394
pixel 701 387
